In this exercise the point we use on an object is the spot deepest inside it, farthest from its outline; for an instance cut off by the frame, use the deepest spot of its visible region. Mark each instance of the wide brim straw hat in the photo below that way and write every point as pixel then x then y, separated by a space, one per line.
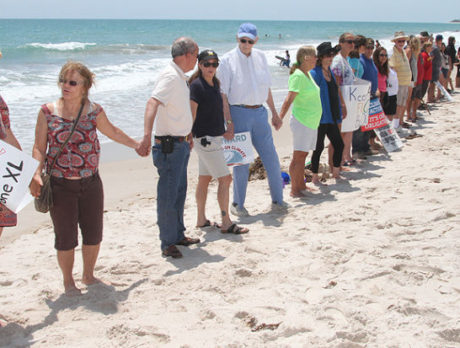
pixel 400 35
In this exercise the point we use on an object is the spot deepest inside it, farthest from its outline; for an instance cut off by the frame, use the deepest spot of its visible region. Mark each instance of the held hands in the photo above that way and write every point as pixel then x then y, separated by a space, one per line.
pixel 190 141
pixel 277 122
pixel 144 146
pixel 230 132
pixel 35 186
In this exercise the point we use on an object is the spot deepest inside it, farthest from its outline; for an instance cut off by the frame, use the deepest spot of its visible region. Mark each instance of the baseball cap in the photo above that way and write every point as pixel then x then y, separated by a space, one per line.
pixel 247 30
pixel 206 55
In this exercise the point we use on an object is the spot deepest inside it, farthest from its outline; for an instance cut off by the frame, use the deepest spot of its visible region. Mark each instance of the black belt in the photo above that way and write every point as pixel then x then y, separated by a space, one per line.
pixel 159 138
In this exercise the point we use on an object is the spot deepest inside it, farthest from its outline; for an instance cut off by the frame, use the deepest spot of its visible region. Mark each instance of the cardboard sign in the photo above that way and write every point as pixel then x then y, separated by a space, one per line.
pixel 377 117
pixel 389 138
pixel 16 172
pixel 238 151
pixel 356 97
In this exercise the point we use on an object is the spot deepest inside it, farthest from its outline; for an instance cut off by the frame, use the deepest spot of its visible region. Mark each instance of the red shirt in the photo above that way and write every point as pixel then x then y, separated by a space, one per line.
pixel 80 156
pixel 424 67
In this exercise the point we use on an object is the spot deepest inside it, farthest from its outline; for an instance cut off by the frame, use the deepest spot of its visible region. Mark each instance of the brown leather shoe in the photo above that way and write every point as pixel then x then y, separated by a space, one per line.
pixel 188 241
pixel 172 251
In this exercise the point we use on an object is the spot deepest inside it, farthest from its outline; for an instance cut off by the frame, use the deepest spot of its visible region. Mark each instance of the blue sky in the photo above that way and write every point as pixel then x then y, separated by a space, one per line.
pixel 333 10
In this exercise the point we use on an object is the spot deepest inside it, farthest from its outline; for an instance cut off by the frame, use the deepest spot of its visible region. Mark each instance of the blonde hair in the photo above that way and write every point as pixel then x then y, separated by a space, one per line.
pixel 427 44
pixel 414 44
pixel 85 73
pixel 302 52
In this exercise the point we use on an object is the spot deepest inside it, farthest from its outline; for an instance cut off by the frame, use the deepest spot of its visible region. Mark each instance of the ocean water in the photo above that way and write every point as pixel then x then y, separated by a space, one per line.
pixel 127 55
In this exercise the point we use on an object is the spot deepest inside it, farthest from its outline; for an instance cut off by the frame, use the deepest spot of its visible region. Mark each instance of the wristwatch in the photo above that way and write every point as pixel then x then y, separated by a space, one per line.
pixel 229 121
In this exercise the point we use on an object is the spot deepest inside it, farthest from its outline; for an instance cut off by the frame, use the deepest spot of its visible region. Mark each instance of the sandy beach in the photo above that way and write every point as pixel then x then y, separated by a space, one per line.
pixel 369 262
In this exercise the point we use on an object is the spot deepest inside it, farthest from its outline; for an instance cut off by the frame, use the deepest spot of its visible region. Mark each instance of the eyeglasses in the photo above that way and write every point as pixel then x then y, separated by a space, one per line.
pixel 349 41
pixel 208 64
pixel 370 47
pixel 71 82
pixel 383 55
pixel 251 42
pixel 400 41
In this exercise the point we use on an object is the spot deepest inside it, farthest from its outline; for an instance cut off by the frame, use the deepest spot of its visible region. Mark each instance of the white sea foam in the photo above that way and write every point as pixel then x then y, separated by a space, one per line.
pixel 63 46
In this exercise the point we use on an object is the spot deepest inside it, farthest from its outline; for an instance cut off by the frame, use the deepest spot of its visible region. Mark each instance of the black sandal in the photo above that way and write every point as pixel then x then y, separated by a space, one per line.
pixel 235 229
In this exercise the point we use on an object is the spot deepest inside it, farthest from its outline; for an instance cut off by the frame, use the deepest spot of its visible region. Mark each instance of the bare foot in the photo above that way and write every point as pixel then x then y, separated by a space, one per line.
pixel 318 183
pixel 339 179
pixel 91 280
pixel 3 323
pixel 72 291
pixel 299 194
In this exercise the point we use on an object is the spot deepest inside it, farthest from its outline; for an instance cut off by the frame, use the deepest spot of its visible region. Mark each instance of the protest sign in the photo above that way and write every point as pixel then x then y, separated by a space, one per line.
pixel 16 172
pixel 238 151
pixel 389 138
pixel 356 98
pixel 377 117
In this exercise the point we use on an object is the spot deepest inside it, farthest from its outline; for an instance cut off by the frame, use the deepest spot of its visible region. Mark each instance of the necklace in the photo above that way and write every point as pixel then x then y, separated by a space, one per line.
pixel 326 73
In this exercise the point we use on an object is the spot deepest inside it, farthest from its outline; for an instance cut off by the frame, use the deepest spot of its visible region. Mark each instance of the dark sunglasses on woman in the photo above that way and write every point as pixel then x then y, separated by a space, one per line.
pixel 208 64
pixel 71 82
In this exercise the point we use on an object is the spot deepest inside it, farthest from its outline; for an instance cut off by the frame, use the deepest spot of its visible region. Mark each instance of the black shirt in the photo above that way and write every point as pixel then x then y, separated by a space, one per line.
pixel 334 99
pixel 210 114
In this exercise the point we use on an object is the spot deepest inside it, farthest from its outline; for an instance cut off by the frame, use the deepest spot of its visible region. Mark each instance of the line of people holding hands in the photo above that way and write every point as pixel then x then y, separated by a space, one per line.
pixel 224 96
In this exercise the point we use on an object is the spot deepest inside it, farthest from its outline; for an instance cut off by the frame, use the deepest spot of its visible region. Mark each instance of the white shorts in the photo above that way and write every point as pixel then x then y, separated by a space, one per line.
pixel 211 160
pixel 304 138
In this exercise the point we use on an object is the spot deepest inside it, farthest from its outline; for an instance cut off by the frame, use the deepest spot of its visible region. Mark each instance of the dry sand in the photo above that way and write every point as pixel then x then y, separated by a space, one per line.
pixel 371 262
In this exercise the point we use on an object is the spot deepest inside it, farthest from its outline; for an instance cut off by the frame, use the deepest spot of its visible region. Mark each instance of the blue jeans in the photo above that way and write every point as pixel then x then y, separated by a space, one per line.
pixel 171 191
pixel 255 121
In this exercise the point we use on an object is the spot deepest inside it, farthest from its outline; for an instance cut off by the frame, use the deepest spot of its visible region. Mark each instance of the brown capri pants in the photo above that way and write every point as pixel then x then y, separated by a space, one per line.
pixel 77 203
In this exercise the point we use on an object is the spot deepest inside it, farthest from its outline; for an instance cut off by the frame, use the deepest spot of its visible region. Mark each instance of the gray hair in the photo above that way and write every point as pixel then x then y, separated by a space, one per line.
pixel 182 46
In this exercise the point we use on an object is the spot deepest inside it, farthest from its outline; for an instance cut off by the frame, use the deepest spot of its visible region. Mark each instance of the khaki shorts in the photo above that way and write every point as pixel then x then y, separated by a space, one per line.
pixel 403 94
pixel 211 160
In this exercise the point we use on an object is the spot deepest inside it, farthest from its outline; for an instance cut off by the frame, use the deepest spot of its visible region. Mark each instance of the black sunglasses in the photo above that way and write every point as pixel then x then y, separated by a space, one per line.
pixel 208 64
pixel 349 41
pixel 71 82
pixel 251 42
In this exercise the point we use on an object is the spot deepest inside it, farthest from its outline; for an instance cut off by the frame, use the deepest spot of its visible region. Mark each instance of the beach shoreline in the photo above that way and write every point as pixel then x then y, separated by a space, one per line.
pixel 372 261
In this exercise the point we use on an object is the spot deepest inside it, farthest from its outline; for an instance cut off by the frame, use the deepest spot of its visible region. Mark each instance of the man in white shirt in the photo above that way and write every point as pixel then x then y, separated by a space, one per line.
pixel 169 108
pixel 245 86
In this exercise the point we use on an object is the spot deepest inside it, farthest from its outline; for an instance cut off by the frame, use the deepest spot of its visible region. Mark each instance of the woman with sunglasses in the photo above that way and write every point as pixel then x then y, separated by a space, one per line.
pixel 306 113
pixel 331 116
pixel 75 182
pixel 344 76
pixel 208 132
pixel 386 83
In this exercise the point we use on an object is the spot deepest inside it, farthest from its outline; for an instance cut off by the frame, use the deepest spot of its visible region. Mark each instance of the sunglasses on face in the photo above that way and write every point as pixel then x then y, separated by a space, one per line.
pixel 71 82
pixel 349 41
pixel 401 41
pixel 383 55
pixel 251 42
pixel 208 64
pixel 370 47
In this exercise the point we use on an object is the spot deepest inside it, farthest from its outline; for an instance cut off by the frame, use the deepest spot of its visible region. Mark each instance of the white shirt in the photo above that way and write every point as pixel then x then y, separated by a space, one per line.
pixel 392 81
pixel 244 80
pixel 340 67
pixel 174 116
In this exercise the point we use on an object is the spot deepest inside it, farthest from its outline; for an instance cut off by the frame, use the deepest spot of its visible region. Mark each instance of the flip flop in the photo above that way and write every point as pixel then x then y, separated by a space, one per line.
pixel 206 224
pixel 235 229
